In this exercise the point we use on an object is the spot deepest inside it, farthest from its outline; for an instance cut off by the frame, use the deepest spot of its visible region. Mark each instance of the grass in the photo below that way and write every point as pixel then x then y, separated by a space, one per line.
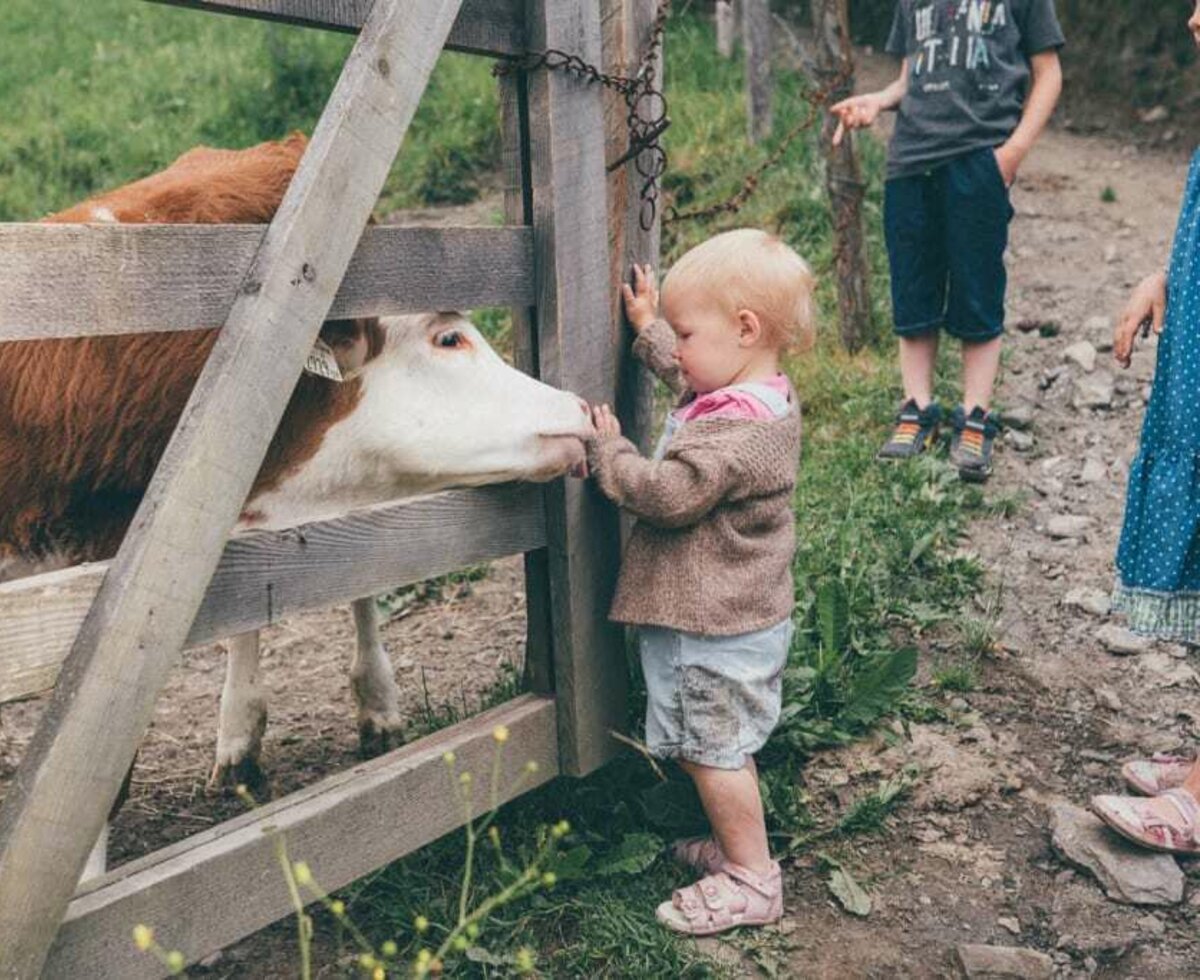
pixel 101 93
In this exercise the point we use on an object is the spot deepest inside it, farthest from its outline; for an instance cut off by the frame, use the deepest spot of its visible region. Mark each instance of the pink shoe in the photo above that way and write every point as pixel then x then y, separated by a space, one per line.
pixel 1133 819
pixel 700 853
pixel 734 896
pixel 1158 773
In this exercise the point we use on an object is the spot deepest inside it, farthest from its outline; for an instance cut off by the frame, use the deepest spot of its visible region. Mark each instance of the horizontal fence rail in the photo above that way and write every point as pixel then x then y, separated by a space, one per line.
pixel 225 883
pixel 266 575
pixel 490 27
pixel 88 280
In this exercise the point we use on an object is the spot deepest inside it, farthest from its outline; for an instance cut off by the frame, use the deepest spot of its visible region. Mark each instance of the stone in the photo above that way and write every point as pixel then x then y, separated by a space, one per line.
pixel 1120 641
pixel 1093 601
pixel 1007 962
pixel 1099 331
pixel 1107 697
pixel 1111 253
pixel 1022 442
pixel 1128 874
pixel 1094 471
pixel 1011 923
pixel 1158 114
pixel 1083 354
pixel 1019 416
pixel 1093 390
pixel 1050 487
pixel 1152 924
pixel 1068 526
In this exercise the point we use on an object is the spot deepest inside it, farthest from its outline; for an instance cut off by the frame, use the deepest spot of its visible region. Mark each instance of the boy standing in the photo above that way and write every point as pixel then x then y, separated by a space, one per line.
pixel 979 81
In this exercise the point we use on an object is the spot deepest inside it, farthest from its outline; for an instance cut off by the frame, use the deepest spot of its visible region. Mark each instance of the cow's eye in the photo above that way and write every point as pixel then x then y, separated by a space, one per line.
pixel 450 340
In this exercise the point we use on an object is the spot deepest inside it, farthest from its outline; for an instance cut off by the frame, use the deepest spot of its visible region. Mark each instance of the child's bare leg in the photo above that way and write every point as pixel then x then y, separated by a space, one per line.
pixel 981 365
pixel 1192 783
pixel 734 808
pixel 918 355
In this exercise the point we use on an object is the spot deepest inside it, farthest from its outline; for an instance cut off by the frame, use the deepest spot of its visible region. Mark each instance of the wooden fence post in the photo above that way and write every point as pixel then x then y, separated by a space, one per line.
pixel 133 634
pixel 577 342
pixel 756 47
pixel 727 27
pixel 843 177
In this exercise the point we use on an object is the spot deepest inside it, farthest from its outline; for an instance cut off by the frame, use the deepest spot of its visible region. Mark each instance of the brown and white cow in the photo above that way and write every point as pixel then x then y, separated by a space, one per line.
pixel 431 405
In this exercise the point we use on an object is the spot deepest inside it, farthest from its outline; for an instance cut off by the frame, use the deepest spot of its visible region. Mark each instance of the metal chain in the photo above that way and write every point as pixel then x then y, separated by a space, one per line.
pixel 647 118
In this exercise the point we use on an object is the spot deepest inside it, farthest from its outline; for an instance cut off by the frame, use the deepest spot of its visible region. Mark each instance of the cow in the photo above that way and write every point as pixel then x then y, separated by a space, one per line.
pixel 428 404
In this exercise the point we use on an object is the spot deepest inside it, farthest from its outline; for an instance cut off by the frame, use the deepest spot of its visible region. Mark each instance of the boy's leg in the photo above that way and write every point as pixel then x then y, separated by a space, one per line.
pixel 981 366
pixel 916 243
pixel 734 808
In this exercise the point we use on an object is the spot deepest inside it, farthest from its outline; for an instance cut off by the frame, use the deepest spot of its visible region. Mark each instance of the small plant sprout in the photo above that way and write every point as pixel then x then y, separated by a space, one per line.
pixel 1108 195
pixel 173 960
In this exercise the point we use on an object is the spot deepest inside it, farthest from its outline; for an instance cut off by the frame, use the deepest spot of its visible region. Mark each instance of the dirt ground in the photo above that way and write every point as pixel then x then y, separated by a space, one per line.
pixel 968 858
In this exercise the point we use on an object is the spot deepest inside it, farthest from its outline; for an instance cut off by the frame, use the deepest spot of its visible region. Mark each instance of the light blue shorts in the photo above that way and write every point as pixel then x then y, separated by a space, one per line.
pixel 712 700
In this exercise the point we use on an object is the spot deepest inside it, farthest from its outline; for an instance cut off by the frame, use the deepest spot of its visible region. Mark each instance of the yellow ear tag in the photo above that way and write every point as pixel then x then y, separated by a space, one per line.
pixel 322 363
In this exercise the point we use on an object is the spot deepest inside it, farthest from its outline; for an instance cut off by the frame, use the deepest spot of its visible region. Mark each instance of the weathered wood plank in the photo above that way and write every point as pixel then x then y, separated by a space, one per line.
pixel 84 280
pixel 265 576
pixel 104 699
pixel 577 348
pixel 218 886
pixel 491 27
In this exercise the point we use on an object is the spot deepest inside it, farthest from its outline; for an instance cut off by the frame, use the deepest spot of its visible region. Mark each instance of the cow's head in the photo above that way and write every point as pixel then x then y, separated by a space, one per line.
pixel 429 405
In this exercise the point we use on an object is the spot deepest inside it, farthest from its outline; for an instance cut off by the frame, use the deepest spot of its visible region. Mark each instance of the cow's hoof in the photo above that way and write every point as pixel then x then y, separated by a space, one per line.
pixel 228 776
pixel 379 734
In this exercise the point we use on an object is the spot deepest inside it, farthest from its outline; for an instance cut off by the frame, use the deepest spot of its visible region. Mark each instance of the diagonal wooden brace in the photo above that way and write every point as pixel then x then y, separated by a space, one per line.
pixel 136 627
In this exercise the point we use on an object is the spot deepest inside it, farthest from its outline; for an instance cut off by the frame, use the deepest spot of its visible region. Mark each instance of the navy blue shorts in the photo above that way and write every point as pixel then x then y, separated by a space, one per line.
pixel 947 232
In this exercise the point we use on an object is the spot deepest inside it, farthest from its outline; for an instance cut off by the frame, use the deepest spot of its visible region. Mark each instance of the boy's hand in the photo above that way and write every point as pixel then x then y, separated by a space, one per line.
pixel 641 299
pixel 856 112
pixel 605 421
pixel 1009 160
pixel 1145 308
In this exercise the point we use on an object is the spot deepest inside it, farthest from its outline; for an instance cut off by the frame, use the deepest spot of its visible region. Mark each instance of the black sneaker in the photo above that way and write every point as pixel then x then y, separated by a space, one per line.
pixel 915 430
pixel 971 443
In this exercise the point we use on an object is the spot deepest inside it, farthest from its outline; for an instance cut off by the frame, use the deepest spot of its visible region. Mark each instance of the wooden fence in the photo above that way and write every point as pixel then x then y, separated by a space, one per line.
pixel 110 632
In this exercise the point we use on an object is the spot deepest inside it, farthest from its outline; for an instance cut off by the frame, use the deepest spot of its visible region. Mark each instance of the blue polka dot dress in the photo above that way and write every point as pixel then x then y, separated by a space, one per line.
pixel 1158 560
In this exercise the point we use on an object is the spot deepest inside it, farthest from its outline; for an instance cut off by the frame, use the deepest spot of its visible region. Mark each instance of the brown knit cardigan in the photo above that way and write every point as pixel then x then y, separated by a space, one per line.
pixel 711 551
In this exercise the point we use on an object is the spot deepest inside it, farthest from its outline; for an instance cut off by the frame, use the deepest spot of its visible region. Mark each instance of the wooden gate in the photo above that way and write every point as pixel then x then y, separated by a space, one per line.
pixel 111 632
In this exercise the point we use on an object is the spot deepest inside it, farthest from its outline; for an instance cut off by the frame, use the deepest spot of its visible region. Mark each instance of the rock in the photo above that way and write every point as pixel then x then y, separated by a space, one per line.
pixel 1018 417
pixel 1107 697
pixel 1158 114
pixel 1093 601
pixel 1050 487
pixel 1130 875
pixel 1111 253
pixel 1050 375
pixel 1022 442
pixel 1093 391
pixel 1068 526
pixel 1099 330
pixel 1083 354
pixel 1094 471
pixel 1011 923
pixel 1009 962
pixel 1117 640
pixel 1152 924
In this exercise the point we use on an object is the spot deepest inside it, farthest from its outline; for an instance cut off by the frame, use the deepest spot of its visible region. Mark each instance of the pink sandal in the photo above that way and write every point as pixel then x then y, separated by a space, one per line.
pixel 734 896
pixel 1157 774
pixel 701 853
pixel 1132 818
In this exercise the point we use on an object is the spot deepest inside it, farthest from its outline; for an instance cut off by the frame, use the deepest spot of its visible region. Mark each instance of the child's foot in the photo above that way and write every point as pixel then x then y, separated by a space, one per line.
pixel 1168 822
pixel 700 853
pixel 734 896
pixel 971 443
pixel 1157 774
pixel 915 430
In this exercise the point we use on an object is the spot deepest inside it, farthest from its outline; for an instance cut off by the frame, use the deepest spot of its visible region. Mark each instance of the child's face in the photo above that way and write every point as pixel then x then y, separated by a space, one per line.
pixel 1194 24
pixel 711 345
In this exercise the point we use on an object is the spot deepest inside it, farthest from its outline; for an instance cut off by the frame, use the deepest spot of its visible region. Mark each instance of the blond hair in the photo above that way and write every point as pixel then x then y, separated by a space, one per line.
pixel 749 269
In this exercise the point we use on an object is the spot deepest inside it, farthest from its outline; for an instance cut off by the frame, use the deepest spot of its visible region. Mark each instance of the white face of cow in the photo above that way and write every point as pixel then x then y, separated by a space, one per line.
pixel 438 408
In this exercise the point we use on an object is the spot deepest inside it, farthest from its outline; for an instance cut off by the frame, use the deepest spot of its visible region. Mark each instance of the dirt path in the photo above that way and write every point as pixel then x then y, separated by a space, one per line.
pixel 969 859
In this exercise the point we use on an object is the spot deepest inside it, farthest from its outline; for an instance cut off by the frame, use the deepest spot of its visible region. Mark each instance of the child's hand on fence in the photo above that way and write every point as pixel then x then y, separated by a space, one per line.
pixel 605 421
pixel 1144 311
pixel 856 112
pixel 641 299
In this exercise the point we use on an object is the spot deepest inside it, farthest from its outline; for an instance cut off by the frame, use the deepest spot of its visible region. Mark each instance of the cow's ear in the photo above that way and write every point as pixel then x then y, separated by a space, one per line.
pixel 350 343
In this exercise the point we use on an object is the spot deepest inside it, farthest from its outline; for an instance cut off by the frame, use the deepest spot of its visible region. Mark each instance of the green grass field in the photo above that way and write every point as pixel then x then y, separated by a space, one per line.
pixel 103 92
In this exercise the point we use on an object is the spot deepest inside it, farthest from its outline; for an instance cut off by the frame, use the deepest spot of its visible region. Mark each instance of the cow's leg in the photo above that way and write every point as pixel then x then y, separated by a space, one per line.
pixel 243 718
pixel 380 726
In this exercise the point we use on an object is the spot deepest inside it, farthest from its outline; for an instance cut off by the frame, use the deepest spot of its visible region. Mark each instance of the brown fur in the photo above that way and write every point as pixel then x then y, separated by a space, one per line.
pixel 84 421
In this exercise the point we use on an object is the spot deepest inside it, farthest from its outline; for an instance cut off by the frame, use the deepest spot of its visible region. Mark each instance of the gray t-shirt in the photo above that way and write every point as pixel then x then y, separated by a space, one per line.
pixel 968 74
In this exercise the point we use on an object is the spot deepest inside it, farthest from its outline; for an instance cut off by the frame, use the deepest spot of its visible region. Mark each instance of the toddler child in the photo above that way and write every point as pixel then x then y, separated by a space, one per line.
pixel 707 575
